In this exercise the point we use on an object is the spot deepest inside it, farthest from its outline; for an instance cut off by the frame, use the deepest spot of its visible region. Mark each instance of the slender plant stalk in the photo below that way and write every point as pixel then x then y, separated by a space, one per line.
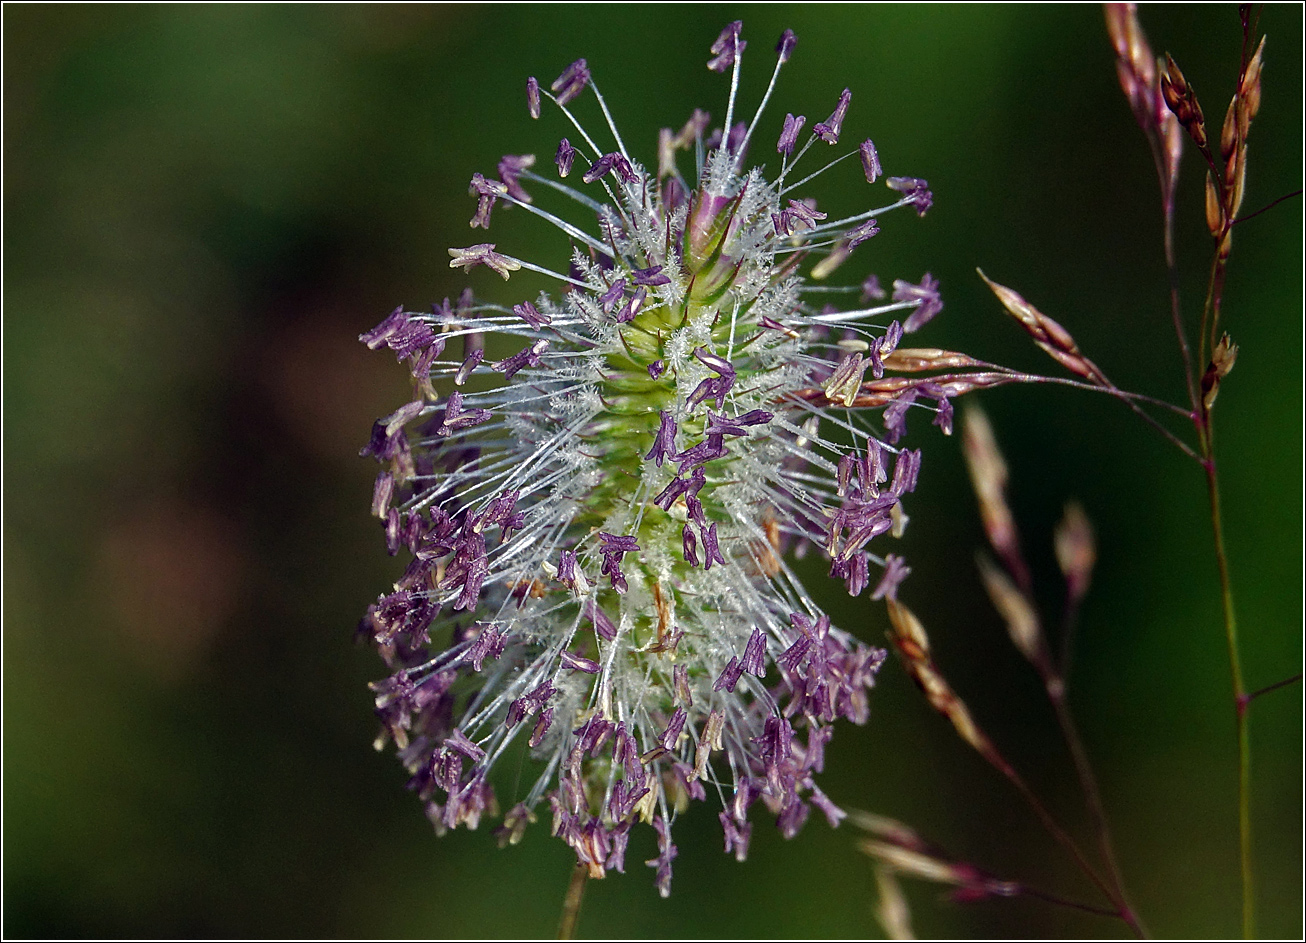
pixel 571 903
pixel 1272 687
pixel 1088 783
pixel 1241 700
pixel 1122 908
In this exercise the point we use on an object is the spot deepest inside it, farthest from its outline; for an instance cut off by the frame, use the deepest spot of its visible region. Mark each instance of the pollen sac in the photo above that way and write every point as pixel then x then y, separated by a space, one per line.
pixel 596 517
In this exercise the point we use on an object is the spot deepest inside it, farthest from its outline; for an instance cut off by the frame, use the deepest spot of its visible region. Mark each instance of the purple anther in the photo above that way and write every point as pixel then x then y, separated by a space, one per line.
pixel 833 814
pixel 895 571
pixel 754 660
pixel 725 425
pixel 572 81
pixel 624 797
pixel 421 365
pixel 531 315
pixel 631 308
pixel 489 644
pixel 792 818
pixel 915 190
pixel 710 448
pixel 486 192
pixel 689 545
pixel 871 289
pixel 497 511
pixel 471 363
pixel 789 134
pixel 711 552
pixel 672 733
pixel 378 335
pixel 804 212
pixel 608 300
pixel 737 835
pixel 511 167
pixel 626 752
pixel 729 677
pixel 530 357
pixel 651 276
pixel 656 369
pixel 664 443
pixel 926 295
pixel 384 445
pixel 484 254
pixel 613 547
pixel 858 575
pixel 736 138
pixel 533 96
pixel 541 727
pixel 829 130
pixel 859 234
pixel 456 418
pixel 847 465
pixel 883 347
pixel 579 663
pixel 673 195
pixel 870 160
pixel 564 157
pixel 567 567
pixel 727 46
pixel 393 539
pixel 623 169
pixel 693 129
pixel 794 654
pixel 713 361
pixel 943 418
pixel 617 543
pixel 905 471
pixel 457 740
pixel 382 492
pixel 400 332
pixel 593 734
pixel 785 48
pixel 599 168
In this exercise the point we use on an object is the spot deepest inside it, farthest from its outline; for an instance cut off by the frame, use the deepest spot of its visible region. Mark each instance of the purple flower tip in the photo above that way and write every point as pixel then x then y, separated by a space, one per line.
pixel 870 160
pixel 572 81
pixel 785 48
pixel 789 134
pixel 564 157
pixel 926 296
pixel 533 96
pixel 727 47
pixel 915 190
pixel 829 130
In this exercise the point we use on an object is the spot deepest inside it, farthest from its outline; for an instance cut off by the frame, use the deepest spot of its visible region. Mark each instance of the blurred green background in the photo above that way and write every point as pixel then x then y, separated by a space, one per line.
pixel 204 206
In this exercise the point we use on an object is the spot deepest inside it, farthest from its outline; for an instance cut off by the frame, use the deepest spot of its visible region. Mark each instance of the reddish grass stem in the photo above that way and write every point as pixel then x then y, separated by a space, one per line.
pixel 571 903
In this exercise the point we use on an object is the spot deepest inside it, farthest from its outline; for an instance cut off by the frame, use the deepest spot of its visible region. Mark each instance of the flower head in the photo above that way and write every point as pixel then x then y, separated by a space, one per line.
pixel 599 523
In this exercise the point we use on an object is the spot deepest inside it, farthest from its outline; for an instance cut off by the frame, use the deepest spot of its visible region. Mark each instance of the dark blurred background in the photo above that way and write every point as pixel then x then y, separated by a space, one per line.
pixel 204 207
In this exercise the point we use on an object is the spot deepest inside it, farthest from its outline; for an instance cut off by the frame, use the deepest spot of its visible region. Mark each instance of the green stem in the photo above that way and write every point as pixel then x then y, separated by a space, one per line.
pixel 1241 700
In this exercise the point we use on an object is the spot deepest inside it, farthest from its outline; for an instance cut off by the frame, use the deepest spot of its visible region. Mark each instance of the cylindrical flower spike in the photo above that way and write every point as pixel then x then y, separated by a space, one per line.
pixel 598 522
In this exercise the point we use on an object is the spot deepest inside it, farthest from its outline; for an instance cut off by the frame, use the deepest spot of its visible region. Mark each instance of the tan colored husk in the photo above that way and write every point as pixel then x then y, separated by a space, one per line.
pixel 1076 549
pixel 1016 611
pixel 916 359
pixel 1054 339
